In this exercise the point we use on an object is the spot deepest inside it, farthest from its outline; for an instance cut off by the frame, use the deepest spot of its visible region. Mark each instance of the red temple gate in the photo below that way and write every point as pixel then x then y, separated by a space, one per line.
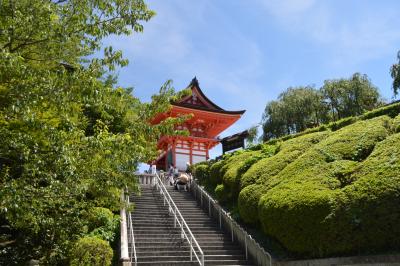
pixel 208 120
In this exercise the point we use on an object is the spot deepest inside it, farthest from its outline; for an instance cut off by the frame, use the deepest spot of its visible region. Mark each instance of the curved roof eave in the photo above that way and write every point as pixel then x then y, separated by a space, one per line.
pixel 221 111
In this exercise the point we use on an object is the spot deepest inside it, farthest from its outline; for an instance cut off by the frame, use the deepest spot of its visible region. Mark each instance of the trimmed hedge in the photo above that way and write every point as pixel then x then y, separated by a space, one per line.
pixel 300 201
pixel 287 152
pixel 367 213
pixel 342 123
pixel 396 124
pixel 231 177
pixel 217 172
pixel 221 193
pixel 248 203
pixel 330 190
pixel 267 168
pixel 265 152
pixel 91 251
pixel 390 110
pixel 202 173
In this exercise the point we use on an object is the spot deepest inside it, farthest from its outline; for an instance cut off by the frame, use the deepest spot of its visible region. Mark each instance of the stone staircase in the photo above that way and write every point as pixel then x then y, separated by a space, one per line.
pixel 159 243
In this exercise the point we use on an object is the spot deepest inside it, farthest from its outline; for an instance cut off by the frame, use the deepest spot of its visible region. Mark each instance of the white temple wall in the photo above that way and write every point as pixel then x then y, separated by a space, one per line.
pixel 181 160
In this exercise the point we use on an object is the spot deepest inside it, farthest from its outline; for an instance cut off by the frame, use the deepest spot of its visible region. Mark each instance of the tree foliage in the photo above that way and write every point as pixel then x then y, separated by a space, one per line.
pixel 395 73
pixel 295 110
pixel 350 97
pixel 303 107
pixel 69 139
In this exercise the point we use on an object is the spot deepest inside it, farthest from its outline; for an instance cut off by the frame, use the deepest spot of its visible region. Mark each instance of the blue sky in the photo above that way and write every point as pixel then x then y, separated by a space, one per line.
pixel 244 53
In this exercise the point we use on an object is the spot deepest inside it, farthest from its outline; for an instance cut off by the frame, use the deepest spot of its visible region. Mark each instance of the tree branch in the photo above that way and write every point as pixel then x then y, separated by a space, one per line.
pixel 28 43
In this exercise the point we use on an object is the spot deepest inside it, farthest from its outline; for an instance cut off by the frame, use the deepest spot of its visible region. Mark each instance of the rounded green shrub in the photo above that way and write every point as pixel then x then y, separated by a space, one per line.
pixel 98 217
pixel 202 173
pixel 231 177
pixel 356 142
pixel 221 193
pixel 248 203
pixel 328 200
pixel 295 214
pixel 287 152
pixel 367 214
pixel 91 251
pixel 217 172
pixel 396 124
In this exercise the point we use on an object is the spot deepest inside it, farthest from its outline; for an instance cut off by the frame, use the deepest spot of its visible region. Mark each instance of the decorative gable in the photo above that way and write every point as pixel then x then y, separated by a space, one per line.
pixel 197 98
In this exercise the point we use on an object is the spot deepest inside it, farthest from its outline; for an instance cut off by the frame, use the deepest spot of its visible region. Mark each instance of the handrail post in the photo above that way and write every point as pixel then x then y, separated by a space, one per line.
pixel 232 231
pixel 220 222
pixel 209 206
pixel 191 248
pixel 245 244
pixel 124 234
pixel 182 233
pixel 174 211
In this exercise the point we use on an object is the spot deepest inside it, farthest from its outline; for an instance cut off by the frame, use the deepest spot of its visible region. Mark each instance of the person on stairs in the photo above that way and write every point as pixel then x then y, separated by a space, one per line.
pixel 182 181
pixel 171 174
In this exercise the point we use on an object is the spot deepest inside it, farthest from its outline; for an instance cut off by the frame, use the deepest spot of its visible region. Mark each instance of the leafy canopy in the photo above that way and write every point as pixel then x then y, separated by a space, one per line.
pixel 304 107
pixel 70 139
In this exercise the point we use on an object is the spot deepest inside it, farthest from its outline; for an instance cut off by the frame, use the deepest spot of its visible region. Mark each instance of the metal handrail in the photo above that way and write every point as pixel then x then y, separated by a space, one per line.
pixel 132 236
pixel 178 218
pixel 221 211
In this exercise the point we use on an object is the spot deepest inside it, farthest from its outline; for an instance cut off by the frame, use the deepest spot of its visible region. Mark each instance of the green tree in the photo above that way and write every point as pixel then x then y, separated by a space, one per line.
pixel 69 139
pixel 350 97
pixel 395 73
pixel 295 110
pixel 252 137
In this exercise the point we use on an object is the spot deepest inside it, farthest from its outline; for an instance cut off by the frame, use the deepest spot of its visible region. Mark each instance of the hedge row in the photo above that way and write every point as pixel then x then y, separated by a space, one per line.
pixel 390 110
pixel 262 171
pixel 300 207
pixel 231 177
pixel 329 190
pixel 396 124
pixel 286 152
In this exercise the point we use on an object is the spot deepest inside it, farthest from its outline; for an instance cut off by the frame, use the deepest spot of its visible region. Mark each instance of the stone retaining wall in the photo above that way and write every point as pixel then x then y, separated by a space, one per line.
pixel 383 260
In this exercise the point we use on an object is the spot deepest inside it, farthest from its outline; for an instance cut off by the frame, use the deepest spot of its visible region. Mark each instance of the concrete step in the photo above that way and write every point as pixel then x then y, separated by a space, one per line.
pixel 158 242
pixel 169 263
pixel 177 257
pixel 201 241
pixel 180 243
pixel 205 249
pixel 186 252
pixel 169 234
pixel 163 218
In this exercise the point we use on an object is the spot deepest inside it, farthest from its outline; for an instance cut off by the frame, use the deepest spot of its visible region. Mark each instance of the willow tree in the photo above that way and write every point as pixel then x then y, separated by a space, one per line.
pixel 295 110
pixel 395 73
pixel 69 138
pixel 350 97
